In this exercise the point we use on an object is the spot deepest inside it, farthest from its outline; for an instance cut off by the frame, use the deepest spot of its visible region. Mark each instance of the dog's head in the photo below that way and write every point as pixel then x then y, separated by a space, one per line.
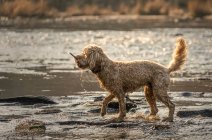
pixel 91 58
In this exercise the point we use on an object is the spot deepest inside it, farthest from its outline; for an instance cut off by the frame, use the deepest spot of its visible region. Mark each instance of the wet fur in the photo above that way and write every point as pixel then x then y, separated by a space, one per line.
pixel 119 78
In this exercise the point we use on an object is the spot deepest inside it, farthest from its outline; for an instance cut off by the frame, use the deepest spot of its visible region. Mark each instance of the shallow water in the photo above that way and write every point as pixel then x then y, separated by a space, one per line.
pixel 44 51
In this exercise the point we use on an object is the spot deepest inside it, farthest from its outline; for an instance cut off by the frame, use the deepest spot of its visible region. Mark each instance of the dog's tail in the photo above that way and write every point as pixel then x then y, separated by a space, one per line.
pixel 179 56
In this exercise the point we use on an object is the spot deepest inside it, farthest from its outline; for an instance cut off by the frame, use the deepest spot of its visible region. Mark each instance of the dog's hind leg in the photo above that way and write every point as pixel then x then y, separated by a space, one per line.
pixel 151 99
pixel 161 95
pixel 105 103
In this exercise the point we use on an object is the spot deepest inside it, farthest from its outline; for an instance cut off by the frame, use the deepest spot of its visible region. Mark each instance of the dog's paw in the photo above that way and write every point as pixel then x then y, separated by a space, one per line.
pixel 103 113
pixel 167 119
pixel 152 118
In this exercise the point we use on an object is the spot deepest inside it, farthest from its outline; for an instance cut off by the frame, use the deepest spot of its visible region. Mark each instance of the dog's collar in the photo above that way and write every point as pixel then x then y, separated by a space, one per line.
pixel 96 69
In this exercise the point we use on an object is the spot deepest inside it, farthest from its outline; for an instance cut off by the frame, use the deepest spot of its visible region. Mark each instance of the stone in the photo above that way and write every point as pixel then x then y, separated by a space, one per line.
pixel 48 111
pixel 28 100
pixel 30 127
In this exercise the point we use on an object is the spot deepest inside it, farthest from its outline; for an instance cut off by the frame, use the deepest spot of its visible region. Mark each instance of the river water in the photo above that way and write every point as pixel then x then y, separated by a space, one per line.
pixel 26 51
pixel 38 61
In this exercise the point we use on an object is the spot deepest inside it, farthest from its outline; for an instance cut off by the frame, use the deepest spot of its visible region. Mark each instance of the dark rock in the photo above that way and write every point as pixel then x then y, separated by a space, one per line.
pixel 83 122
pixel 122 124
pixel 30 127
pixel 133 110
pixel 95 110
pixel 7 118
pixel 74 105
pixel 28 100
pixel 195 94
pixel 201 94
pixel 98 110
pixel 98 98
pixel 192 113
pixel 9 104
pixel 115 105
pixel 106 123
pixel 202 78
pixel 161 126
pixel 48 111
pixel 186 94
pixel 4 120
pixel 112 110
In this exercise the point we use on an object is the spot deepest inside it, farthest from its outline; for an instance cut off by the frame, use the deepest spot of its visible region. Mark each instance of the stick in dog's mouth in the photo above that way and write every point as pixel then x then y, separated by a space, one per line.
pixel 73 55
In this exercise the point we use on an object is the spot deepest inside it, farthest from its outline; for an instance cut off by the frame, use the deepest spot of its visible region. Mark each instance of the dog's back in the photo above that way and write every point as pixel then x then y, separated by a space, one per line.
pixel 135 74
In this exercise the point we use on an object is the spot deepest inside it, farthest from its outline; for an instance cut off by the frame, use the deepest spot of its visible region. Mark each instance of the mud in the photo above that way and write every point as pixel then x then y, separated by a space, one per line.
pixel 76 120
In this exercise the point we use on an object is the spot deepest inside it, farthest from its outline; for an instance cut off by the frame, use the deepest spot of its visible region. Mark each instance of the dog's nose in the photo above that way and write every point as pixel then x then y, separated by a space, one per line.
pixel 72 55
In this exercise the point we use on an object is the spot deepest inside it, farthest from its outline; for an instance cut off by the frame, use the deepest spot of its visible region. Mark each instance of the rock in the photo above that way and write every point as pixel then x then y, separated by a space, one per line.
pixel 7 118
pixel 204 78
pixel 186 94
pixel 161 126
pixel 94 110
pixel 28 100
pixel 133 110
pixel 83 122
pixel 105 123
pixel 192 113
pixel 74 105
pixel 122 124
pixel 99 98
pixel 115 105
pixel 48 111
pixel 30 127
pixel 194 94
pixel 98 110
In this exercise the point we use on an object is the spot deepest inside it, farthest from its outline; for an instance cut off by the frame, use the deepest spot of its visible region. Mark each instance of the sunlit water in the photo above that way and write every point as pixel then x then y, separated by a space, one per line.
pixel 42 51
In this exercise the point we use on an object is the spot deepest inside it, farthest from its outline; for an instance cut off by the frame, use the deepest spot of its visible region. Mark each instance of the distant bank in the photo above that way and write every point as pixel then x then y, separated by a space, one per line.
pixel 115 22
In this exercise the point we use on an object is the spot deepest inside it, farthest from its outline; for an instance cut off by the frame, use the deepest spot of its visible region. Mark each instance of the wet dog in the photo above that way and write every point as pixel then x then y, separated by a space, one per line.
pixel 119 78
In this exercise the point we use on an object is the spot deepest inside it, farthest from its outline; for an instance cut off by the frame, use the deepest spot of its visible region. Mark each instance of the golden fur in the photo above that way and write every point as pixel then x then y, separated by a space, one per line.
pixel 119 78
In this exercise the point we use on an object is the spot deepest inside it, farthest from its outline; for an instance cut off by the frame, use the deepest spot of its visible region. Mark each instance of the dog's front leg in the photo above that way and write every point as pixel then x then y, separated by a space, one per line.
pixel 122 106
pixel 105 103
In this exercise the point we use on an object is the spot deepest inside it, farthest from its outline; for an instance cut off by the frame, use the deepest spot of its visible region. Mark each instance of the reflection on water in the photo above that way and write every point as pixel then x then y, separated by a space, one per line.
pixel 42 51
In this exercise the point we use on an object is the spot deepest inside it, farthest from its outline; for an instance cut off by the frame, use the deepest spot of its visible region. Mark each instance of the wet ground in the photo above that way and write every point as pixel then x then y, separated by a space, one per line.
pixel 36 62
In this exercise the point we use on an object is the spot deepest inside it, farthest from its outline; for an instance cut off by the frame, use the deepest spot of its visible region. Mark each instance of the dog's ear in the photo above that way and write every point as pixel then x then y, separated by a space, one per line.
pixel 94 59
pixel 93 56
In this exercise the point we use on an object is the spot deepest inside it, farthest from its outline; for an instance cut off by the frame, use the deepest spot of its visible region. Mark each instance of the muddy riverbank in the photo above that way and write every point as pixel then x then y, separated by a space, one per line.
pixel 77 116
pixel 125 22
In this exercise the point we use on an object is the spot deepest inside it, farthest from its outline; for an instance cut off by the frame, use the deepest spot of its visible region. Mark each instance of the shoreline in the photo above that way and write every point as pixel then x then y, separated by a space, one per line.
pixel 65 84
pixel 115 22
